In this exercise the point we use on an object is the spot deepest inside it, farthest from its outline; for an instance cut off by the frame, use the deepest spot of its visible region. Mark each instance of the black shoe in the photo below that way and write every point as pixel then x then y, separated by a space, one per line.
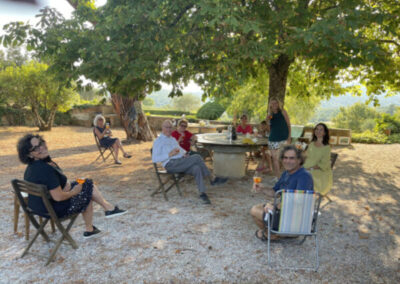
pixel 115 212
pixel 218 181
pixel 88 235
pixel 205 199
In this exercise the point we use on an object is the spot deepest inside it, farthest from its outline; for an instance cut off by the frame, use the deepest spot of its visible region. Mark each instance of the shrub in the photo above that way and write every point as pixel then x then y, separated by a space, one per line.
pixel 62 118
pixel 211 111
pixel 394 138
pixel 369 137
pixel 15 115
pixel 368 124
pixel 387 121
pixel 167 112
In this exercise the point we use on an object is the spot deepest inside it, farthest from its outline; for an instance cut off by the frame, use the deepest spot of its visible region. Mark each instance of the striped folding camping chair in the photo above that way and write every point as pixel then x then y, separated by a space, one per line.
pixel 295 214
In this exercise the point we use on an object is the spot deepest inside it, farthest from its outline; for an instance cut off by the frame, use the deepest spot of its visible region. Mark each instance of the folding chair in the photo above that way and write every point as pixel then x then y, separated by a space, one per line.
pixel 16 217
pixel 297 216
pixel 175 178
pixel 102 149
pixel 39 190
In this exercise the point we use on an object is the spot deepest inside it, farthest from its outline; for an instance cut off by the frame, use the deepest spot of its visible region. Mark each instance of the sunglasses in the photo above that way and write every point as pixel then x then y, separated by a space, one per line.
pixel 35 148
pixel 183 125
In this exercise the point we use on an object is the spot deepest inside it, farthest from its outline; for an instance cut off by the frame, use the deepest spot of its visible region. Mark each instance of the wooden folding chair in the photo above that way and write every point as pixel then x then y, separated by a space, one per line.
pixel 16 217
pixel 103 150
pixel 171 177
pixel 295 214
pixel 39 190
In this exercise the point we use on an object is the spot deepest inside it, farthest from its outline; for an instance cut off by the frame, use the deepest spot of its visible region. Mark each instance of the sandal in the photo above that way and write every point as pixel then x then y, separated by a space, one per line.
pixel 127 156
pixel 117 162
pixel 263 238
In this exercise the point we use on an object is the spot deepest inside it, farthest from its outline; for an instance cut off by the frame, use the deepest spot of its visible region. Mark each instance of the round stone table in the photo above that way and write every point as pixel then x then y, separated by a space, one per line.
pixel 229 158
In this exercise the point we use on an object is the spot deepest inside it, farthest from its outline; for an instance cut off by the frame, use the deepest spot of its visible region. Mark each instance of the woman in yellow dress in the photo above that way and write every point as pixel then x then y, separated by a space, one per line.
pixel 318 160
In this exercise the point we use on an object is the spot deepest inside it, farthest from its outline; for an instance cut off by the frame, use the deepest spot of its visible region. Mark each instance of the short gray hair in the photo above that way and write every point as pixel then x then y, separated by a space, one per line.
pixel 299 153
pixel 96 118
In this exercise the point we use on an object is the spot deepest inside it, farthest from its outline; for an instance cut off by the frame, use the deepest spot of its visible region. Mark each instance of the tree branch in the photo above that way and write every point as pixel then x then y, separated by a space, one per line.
pixel 188 7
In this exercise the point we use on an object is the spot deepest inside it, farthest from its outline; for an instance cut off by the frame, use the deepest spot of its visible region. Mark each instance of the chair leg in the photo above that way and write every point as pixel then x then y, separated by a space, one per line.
pixel 177 186
pixel 27 225
pixel 39 231
pixel 53 227
pixel 64 235
pixel 16 213
pixel 316 253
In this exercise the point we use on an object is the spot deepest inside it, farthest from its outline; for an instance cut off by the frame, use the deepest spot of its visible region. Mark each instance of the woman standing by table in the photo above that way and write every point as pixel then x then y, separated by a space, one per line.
pixel 318 160
pixel 278 125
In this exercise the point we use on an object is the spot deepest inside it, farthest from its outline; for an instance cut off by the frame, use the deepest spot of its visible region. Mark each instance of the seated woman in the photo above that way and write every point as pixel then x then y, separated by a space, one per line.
pixel 67 198
pixel 185 138
pixel 318 160
pixel 104 134
pixel 265 165
pixel 244 128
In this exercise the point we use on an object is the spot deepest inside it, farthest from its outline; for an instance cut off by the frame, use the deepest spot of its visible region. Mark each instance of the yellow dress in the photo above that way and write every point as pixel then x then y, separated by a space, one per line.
pixel 321 157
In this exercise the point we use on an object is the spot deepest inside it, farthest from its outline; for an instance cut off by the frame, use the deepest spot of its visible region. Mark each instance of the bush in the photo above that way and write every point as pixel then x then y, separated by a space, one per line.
pixel 14 115
pixel 62 118
pixel 394 138
pixel 387 121
pixel 368 124
pixel 369 137
pixel 210 111
pixel 167 112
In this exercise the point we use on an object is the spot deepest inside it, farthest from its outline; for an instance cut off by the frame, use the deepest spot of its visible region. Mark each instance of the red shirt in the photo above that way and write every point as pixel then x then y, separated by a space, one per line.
pixel 246 130
pixel 185 143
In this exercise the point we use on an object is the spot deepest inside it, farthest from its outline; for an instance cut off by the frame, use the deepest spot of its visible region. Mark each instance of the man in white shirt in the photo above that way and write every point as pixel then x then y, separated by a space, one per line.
pixel 175 160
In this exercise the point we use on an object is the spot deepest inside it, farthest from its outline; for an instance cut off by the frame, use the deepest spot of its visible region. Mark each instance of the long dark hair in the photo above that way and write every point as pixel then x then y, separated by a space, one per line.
pixel 325 139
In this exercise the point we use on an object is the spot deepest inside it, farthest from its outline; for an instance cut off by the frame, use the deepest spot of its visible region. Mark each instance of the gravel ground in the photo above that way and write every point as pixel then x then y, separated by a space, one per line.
pixel 182 241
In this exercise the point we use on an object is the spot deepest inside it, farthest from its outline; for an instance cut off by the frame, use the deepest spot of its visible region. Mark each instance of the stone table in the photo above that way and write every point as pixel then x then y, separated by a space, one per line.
pixel 229 159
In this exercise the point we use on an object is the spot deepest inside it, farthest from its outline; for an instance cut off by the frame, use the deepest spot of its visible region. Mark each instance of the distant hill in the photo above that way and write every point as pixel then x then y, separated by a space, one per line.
pixel 161 98
pixel 348 100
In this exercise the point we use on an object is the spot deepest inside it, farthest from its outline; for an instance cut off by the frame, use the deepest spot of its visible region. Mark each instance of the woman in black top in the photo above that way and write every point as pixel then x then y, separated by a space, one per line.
pixel 67 198
pixel 104 134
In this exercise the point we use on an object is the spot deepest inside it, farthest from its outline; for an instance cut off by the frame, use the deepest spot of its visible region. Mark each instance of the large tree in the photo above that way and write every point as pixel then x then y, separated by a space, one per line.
pixel 223 43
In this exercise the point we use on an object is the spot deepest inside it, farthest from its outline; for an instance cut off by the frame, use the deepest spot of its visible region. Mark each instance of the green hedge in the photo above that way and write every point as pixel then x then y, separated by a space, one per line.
pixel 370 137
pixel 14 116
pixel 211 111
pixel 167 112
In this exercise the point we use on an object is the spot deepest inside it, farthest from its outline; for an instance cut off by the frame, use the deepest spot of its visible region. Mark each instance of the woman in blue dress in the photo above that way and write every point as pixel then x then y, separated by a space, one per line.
pixel 104 134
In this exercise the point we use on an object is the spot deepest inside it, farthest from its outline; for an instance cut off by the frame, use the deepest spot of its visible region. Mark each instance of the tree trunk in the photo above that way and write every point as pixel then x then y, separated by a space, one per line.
pixel 132 117
pixel 44 124
pixel 278 72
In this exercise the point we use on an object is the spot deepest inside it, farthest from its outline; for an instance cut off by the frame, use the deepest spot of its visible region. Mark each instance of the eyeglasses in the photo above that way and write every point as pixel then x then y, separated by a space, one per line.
pixel 183 125
pixel 35 148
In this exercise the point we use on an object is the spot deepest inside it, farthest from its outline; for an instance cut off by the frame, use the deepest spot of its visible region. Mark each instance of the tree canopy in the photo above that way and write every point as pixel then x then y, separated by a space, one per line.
pixel 133 45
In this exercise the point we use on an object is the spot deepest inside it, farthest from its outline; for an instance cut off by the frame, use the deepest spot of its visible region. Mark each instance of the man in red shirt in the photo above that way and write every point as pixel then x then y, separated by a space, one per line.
pixel 185 138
